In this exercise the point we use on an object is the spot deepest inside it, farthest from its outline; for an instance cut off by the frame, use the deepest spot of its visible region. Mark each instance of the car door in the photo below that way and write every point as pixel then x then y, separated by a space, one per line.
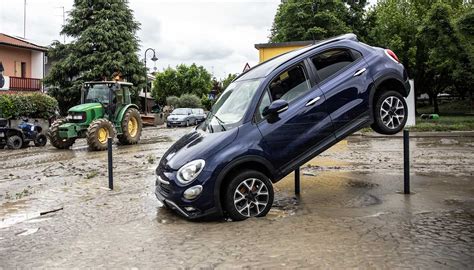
pixel 344 82
pixel 299 129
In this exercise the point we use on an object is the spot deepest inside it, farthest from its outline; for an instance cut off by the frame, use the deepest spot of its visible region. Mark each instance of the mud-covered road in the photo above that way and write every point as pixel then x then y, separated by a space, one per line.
pixel 56 211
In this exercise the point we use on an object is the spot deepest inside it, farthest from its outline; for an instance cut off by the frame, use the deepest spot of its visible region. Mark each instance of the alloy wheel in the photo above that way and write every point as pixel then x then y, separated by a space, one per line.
pixel 392 112
pixel 251 197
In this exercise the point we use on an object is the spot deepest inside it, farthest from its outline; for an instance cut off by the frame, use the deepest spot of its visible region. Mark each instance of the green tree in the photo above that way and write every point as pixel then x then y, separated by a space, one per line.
pixel 440 56
pixel 104 44
pixel 317 19
pixel 189 101
pixel 182 80
pixel 227 80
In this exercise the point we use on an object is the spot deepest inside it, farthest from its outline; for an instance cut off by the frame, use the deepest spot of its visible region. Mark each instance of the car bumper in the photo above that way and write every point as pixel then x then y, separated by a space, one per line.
pixel 176 123
pixel 170 194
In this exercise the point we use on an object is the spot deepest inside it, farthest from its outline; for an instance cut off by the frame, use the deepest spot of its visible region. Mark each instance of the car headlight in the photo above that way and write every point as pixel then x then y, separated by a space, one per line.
pixel 190 171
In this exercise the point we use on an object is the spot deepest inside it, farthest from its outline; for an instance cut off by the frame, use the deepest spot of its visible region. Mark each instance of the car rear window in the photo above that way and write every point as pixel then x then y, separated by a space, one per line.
pixel 331 61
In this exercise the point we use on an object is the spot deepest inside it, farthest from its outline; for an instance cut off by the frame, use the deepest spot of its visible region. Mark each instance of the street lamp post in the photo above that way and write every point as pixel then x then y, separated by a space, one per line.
pixel 154 58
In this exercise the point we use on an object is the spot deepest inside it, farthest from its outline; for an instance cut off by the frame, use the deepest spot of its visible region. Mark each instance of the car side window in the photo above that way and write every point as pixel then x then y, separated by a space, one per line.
pixel 290 84
pixel 331 61
pixel 265 102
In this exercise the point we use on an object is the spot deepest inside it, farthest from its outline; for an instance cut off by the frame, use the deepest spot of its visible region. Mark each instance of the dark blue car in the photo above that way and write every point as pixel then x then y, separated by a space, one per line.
pixel 276 117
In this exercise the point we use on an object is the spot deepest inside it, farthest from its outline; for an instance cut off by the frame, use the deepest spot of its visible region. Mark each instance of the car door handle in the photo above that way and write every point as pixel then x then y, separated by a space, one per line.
pixel 311 102
pixel 359 72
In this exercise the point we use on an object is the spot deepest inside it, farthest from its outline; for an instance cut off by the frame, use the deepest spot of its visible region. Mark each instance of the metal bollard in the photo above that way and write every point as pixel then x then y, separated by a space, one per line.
pixel 111 173
pixel 297 181
pixel 406 162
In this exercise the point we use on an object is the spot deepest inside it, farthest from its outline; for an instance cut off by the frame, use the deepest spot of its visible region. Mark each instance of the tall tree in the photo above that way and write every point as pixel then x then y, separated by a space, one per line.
pixel 182 80
pixel 439 53
pixel 104 44
pixel 310 19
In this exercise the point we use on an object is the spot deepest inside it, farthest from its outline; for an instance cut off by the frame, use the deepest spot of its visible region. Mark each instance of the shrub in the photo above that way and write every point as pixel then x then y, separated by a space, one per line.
pixel 172 101
pixel 27 105
pixel 189 101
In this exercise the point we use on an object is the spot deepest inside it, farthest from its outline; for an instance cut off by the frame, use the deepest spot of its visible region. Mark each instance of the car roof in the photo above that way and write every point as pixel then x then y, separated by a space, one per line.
pixel 263 69
pixel 112 82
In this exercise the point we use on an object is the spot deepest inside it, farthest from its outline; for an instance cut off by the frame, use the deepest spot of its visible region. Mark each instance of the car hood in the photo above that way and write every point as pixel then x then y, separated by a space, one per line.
pixel 196 145
pixel 85 107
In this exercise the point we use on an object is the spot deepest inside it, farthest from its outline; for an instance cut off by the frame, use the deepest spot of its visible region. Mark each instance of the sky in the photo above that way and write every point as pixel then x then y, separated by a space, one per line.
pixel 219 35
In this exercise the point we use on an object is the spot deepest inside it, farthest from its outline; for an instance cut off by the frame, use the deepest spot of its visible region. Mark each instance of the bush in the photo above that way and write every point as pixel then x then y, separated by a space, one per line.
pixel 27 105
pixel 206 103
pixel 172 101
pixel 189 101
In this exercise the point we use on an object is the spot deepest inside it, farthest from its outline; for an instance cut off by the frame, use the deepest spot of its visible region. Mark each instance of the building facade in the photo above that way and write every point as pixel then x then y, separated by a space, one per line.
pixel 21 65
pixel 270 50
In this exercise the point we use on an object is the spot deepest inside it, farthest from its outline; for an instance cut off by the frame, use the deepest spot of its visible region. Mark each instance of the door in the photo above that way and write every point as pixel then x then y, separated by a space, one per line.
pixel 296 132
pixel 18 70
pixel 344 82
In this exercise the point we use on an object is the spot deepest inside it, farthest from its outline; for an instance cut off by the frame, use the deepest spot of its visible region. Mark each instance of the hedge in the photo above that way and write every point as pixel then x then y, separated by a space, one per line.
pixel 34 105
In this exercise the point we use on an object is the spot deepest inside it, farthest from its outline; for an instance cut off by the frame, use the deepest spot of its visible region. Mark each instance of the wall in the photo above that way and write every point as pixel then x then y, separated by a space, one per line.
pixel 8 56
pixel 267 53
pixel 37 64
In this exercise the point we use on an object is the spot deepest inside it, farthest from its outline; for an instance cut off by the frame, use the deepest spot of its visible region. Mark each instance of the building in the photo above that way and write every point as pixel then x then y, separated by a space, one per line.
pixel 270 50
pixel 22 63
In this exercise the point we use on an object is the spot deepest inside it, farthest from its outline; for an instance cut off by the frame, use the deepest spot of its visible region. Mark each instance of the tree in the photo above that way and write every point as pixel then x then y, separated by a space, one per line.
pixel 189 101
pixel 439 53
pixel 182 80
pixel 105 44
pixel 227 80
pixel 317 19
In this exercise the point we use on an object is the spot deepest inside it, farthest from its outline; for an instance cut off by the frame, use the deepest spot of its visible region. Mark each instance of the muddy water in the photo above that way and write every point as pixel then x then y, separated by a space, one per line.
pixel 349 213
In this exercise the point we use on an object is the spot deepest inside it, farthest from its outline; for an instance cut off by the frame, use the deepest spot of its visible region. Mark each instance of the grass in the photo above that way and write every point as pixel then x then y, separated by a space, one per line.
pixel 455 107
pixel 445 123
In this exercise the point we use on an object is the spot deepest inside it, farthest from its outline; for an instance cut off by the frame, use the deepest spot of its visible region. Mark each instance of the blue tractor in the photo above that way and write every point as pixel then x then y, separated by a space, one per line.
pixel 16 138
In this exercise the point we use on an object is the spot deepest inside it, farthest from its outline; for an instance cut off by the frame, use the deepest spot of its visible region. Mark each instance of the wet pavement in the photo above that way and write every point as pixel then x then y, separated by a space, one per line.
pixel 56 211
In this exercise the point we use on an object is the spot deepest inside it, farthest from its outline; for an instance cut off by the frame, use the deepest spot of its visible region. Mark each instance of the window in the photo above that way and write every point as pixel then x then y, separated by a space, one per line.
pixel 330 62
pixel 265 102
pixel 290 84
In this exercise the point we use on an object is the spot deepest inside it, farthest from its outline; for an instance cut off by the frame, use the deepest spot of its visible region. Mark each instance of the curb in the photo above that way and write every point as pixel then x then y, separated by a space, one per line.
pixel 429 134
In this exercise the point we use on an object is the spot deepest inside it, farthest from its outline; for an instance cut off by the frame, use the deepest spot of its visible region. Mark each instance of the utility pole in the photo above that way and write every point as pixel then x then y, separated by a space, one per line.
pixel 24 19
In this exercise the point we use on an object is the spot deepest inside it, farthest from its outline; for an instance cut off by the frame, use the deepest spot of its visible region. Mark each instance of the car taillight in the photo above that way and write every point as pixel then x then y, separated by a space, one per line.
pixel 392 55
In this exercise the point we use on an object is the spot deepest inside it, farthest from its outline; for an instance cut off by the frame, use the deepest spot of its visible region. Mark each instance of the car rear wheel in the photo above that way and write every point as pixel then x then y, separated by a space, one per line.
pixel 390 113
pixel 40 140
pixel 248 194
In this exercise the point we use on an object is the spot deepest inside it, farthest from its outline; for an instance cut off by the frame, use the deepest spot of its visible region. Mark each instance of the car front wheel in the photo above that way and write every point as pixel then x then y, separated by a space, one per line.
pixel 390 114
pixel 248 194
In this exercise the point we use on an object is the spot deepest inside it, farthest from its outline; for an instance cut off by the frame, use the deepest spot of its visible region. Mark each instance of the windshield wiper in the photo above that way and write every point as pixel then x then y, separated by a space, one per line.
pixel 221 123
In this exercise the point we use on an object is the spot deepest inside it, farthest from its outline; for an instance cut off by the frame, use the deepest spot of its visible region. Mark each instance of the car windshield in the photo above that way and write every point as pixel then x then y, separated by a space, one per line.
pixel 180 111
pixel 98 93
pixel 231 106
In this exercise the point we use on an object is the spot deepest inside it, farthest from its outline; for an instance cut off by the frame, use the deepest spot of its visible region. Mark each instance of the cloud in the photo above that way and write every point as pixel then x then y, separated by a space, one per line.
pixel 220 35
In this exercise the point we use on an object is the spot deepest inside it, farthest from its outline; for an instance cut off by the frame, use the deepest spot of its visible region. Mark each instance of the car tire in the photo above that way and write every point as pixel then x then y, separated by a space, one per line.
pixel 40 140
pixel 248 194
pixel 187 123
pixel 390 113
pixel 14 142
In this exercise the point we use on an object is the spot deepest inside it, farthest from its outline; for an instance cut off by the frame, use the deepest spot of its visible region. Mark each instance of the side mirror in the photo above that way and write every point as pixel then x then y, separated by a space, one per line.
pixel 276 107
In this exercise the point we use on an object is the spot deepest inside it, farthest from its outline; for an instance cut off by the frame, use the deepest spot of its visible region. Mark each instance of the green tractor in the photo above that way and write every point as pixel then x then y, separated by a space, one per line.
pixel 105 111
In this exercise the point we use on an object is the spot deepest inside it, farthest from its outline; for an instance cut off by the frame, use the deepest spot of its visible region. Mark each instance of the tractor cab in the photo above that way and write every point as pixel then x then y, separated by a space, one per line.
pixel 106 110
pixel 112 96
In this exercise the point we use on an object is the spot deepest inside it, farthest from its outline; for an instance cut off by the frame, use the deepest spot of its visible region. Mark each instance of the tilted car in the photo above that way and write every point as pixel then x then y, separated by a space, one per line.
pixel 181 117
pixel 276 117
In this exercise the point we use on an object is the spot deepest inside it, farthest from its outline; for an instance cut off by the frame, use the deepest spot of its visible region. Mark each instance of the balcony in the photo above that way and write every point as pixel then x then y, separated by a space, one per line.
pixel 24 84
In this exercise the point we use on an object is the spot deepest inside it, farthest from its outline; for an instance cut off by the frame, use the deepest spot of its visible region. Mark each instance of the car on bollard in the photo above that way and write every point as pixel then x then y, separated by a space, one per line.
pixel 274 118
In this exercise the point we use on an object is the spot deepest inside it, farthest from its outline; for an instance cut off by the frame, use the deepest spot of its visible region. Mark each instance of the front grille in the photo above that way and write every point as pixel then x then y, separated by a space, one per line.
pixel 164 189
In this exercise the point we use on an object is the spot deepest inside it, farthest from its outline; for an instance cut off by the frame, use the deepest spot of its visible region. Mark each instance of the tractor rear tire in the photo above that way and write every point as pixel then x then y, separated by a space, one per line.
pixel 131 127
pixel 40 140
pixel 14 142
pixel 98 133
pixel 55 139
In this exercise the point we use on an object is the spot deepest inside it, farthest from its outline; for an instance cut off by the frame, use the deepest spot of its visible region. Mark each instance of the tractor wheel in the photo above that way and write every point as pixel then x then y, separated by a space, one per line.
pixel 40 140
pixel 14 142
pixel 131 127
pixel 98 133
pixel 55 139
